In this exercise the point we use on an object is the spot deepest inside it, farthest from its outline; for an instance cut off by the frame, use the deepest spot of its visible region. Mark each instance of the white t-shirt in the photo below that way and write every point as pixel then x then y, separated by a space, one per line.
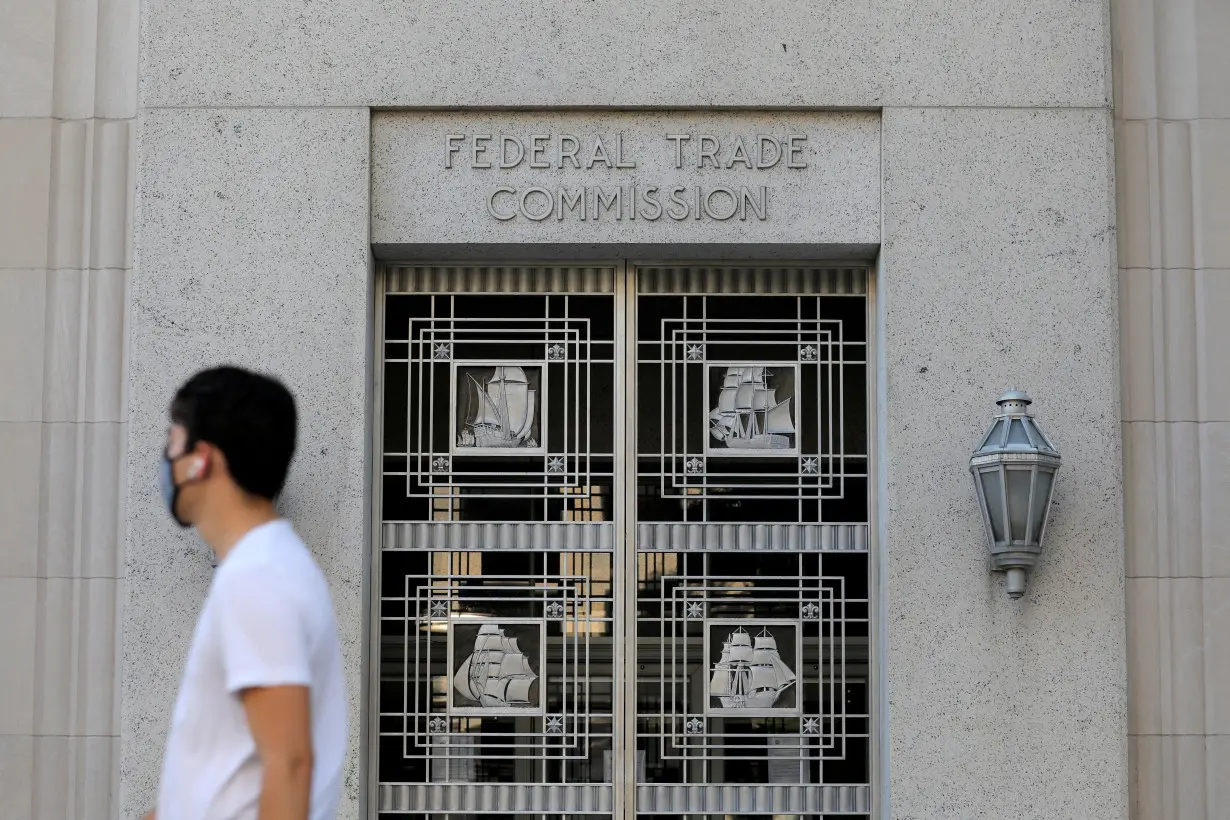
pixel 267 621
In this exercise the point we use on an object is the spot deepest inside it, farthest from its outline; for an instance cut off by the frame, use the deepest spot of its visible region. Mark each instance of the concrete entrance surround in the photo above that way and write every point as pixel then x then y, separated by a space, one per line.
pixel 253 181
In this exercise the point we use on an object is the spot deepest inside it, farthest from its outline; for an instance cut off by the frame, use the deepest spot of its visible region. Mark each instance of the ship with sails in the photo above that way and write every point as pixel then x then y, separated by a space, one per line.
pixel 748 415
pixel 750 675
pixel 501 411
pixel 496 672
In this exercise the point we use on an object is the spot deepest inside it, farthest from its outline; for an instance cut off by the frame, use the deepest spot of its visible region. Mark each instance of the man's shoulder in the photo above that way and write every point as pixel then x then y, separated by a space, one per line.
pixel 278 564
pixel 273 544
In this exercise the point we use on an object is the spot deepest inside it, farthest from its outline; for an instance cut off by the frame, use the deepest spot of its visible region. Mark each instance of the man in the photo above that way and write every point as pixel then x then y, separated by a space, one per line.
pixel 259 727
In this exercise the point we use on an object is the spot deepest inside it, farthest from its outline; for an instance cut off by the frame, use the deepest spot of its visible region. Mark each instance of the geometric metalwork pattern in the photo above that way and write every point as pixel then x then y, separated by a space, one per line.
pixel 497 408
pixel 753 607
pixel 496 572
pixel 758 406
pixel 535 643
pixel 760 674
pixel 494 675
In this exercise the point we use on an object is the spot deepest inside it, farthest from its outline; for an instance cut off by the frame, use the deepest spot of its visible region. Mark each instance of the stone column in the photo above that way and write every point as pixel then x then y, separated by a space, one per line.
pixel 1172 124
pixel 67 113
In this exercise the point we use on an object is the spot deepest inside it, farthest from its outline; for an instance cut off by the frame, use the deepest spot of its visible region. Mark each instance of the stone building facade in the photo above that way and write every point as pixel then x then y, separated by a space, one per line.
pixel 1027 195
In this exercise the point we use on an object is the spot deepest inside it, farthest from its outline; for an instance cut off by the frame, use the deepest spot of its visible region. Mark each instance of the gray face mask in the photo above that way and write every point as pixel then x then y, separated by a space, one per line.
pixel 170 490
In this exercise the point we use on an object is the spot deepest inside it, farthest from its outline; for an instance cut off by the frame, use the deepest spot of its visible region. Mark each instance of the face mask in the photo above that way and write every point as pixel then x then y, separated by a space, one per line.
pixel 170 490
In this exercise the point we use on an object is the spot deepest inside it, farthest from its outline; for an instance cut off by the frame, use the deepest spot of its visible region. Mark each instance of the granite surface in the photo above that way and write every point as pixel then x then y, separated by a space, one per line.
pixel 735 178
pixel 252 249
pixel 608 53
pixel 998 272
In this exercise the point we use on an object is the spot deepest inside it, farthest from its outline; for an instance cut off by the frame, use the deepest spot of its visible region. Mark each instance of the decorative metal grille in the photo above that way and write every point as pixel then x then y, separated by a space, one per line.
pixel 754 672
pixel 533 644
pixel 752 408
pixel 498 405
pixel 497 605
pixel 498 674
pixel 752 618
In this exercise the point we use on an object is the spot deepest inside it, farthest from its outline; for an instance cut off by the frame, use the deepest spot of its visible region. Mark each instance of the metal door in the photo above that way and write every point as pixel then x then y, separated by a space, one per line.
pixel 622 555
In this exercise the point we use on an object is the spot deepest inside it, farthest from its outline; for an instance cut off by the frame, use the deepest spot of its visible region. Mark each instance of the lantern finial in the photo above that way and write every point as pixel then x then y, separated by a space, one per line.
pixel 1012 399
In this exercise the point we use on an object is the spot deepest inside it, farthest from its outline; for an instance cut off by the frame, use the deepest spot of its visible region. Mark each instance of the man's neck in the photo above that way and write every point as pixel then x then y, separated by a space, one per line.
pixel 224 527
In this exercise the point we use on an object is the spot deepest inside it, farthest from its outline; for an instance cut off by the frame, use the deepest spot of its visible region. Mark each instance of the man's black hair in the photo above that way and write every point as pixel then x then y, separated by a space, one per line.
pixel 248 416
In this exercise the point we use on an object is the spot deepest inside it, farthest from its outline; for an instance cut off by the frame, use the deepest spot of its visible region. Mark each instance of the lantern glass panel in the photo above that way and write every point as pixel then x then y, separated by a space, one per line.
pixel 1017 437
pixel 993 492
pixel 1018 501
pixel 1042 494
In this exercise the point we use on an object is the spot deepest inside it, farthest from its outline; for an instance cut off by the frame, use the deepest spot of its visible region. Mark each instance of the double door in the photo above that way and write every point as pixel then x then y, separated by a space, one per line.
pixel 622 559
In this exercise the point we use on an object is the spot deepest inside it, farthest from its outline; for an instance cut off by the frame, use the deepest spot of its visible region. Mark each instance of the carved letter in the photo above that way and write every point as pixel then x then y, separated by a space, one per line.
pixel 598 154
pixel 505 162
pixel 536 151
pixel 571 152
pixel 796 150
pixel 574 203
pixel 479 150
pixel 620 162
pixel 696 210
pixel 759 208
pixel 605 200
pixel 525 211
pixel 503 189
pixel 713 214
pixel 451 148
pixel 650 197
pixel 710 152
pixel 739 155
pixel 679 140
pixel 682 213
pixel 764 141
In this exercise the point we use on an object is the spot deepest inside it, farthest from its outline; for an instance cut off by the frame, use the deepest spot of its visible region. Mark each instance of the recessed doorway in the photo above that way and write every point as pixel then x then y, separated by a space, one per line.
pixel 623 555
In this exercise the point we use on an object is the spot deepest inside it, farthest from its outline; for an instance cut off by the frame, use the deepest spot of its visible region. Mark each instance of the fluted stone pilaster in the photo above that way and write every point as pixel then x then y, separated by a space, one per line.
pixel 1172 142
pixel 67 117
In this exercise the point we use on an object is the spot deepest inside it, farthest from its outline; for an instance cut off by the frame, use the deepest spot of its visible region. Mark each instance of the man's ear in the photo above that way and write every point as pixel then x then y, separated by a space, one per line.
pixel 201 461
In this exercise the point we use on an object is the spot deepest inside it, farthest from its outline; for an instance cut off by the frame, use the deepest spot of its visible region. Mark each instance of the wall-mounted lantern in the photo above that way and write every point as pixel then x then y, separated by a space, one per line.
pixel 1014 470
